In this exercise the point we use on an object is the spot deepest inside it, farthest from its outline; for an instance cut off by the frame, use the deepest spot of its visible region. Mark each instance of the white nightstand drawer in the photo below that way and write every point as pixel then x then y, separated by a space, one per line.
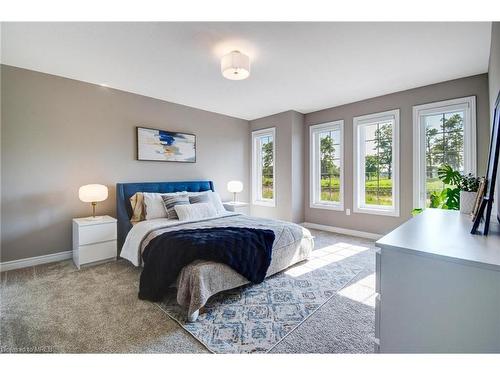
pixel 96 252
pixel 96 233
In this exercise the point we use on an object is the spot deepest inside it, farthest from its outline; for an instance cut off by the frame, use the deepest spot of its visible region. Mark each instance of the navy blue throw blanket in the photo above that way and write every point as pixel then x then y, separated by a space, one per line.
pixel 246 250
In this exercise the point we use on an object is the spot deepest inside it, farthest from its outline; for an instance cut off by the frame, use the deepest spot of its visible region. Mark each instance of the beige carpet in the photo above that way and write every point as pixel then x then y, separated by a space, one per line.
pixel 56 308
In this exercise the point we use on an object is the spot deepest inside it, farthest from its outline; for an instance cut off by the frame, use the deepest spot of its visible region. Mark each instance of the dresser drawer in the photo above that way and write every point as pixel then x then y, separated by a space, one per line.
pixel 96 252
pixel 96 233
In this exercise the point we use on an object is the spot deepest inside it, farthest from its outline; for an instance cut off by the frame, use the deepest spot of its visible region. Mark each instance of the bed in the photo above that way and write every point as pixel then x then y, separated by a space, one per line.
pixel 200 280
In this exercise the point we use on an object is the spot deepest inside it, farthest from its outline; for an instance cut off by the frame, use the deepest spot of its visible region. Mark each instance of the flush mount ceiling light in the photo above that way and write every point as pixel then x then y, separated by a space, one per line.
pixel 235 65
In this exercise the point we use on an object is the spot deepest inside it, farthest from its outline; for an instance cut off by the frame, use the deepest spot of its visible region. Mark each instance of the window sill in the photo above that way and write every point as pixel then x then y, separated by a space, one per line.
pixel 327 206
pixel 376 211
pixel 264 203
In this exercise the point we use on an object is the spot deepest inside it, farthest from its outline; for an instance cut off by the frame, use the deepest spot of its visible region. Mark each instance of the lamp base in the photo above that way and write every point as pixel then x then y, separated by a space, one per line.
pixel 93 217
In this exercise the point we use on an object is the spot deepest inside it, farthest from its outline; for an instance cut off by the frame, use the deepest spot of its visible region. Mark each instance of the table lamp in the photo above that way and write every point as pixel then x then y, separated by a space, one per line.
pixel 235 187
pixel 93 193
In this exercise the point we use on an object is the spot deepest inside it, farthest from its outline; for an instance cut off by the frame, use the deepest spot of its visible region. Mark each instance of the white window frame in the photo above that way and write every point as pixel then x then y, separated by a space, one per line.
pixel 466 104
pixel 359 164
pixel 315 166
pixel 256 168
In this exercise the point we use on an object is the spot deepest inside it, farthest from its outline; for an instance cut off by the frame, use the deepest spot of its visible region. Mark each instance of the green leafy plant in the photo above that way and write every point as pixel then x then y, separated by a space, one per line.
pixel 448 175
pixel 417 211
pixel 469 183
pixel 449 197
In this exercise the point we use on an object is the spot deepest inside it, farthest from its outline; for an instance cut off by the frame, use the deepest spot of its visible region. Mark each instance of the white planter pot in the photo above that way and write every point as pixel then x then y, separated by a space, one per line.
pixel 467 199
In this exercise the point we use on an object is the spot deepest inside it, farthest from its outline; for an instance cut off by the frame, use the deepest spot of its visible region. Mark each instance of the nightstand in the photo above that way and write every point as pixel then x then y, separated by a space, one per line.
pixel 94 240
pixel 240 207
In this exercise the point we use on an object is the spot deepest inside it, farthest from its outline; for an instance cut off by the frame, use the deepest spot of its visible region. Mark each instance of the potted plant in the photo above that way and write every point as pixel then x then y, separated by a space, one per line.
pixel 463 188
pixel 459 194
pixel 468 186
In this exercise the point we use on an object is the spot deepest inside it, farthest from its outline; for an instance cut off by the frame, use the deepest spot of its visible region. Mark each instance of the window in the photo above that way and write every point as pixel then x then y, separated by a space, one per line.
pixel 444 133
pixel 376 163
pixel 326 158
pixel 263 162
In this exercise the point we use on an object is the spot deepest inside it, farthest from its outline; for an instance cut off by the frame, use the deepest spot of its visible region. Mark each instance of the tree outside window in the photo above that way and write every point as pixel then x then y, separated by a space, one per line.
pixel 378 164
pixel 330 166
pixel 267 168
pixel 444 144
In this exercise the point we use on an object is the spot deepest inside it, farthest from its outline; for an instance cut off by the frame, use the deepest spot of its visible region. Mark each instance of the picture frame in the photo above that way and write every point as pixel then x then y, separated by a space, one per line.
pixel 486 205
pixel 479 198
pixel 163 145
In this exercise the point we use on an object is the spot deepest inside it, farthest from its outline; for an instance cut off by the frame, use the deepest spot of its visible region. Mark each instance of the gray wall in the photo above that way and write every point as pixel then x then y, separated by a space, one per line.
pixel 289 169
pixel 494 65
pixel 59 134
pixel 494 84
pixel 404 100
pixel 297 167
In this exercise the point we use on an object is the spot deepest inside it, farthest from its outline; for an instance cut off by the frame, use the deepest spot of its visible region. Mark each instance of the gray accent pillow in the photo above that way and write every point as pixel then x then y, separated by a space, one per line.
pixel 153 204
pixel 214 198
pixel 170 201
pixel 200 198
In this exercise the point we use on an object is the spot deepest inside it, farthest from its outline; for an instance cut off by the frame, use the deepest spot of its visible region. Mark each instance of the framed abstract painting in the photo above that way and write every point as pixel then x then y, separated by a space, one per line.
pixel 161 145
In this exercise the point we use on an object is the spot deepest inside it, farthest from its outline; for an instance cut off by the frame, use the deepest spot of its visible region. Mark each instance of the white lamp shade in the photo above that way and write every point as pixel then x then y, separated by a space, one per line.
pixel 93 193
pixel 235 186
pixel 235 65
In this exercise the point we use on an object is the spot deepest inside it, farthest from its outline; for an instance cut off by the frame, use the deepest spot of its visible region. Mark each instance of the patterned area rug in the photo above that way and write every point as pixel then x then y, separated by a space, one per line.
pixel 254 318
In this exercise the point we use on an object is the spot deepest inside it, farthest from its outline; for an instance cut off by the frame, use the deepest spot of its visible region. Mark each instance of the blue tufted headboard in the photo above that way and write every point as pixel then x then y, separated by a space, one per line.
pixel 125 190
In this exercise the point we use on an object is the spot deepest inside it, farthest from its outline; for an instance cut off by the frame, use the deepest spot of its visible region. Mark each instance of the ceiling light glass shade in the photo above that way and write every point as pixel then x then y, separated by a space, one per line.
pixel 235 186
pixel 235 65
pixel 93 193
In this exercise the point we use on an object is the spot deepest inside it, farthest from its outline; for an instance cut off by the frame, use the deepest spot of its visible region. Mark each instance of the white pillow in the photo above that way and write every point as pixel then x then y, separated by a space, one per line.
pixel 195 211
pixel 153 203
pixel 217 202
pixel 215 199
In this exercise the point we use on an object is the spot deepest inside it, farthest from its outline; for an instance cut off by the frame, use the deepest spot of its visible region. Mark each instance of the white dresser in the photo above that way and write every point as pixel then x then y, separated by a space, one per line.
pixel 94 240
pixel 439 287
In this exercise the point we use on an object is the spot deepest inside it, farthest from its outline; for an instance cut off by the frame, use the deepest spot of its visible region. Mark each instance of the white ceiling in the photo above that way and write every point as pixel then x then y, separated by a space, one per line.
pixel 299 66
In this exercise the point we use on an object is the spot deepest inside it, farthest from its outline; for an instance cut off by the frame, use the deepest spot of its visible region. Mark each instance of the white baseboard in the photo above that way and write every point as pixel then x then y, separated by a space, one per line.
pixel 28 262
pixel 348 232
